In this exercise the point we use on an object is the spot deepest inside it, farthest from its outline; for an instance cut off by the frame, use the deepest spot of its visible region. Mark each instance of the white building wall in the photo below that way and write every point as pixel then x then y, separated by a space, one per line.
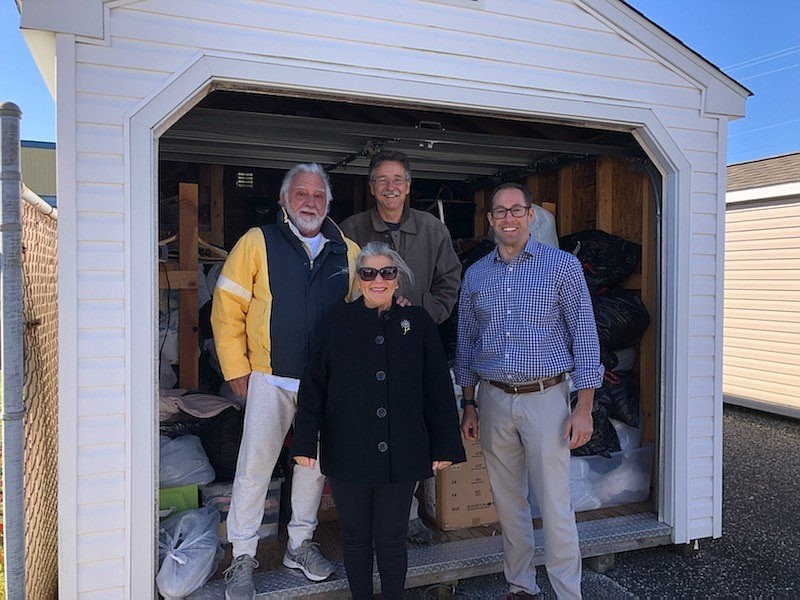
pixel 762 299
pixel 540 53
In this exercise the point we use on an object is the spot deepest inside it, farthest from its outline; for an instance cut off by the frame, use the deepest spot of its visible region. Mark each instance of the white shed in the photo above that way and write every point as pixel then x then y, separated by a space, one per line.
pixel 578 97
pixel 762 285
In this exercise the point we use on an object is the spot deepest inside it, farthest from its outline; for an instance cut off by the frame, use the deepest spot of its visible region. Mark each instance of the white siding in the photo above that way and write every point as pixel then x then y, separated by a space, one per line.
pixel 762 305
pixel 522 56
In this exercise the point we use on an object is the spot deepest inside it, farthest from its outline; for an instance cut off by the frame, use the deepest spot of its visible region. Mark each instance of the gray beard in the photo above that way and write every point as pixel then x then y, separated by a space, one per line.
pixel 310 227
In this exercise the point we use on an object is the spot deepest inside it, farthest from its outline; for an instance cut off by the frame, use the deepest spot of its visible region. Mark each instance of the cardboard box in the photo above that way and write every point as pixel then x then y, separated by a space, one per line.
pixel 218 495
pixel 460 496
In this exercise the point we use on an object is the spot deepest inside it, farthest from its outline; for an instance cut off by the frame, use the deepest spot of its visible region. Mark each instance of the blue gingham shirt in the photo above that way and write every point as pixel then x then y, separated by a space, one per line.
pixel 527 319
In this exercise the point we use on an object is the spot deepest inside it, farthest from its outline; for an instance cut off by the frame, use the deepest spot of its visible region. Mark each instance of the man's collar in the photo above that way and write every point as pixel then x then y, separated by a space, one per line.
pixel 530 250
pixel 408 223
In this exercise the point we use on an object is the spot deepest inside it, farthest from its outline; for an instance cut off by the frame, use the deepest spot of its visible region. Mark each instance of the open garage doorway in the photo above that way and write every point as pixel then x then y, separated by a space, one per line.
pixel 220 167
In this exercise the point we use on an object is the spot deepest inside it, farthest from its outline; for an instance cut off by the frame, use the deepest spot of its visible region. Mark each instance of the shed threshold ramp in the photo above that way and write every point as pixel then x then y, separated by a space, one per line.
pixel 451 561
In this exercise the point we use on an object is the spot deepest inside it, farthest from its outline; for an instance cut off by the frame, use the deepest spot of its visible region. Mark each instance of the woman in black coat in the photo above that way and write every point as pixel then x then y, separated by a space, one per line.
pixel 378 393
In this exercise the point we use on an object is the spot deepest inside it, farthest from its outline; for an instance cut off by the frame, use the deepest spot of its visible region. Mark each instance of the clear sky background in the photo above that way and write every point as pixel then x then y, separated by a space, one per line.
pixel 755 42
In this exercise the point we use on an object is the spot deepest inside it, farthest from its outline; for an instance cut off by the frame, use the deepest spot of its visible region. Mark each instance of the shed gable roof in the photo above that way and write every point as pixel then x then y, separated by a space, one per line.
pixel 764 172
pixel 721 94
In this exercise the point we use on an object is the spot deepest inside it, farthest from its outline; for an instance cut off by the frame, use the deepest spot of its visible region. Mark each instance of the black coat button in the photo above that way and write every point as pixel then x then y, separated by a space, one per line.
pixel 381 412
pixel 379 339
pixel 383 447
pixel 380 375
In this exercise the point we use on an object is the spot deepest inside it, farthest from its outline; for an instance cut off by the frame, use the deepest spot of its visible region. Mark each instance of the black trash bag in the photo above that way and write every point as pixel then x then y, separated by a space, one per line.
pixel 607 259
pixel 619 395
pixel 608 358
pixel 471 251
pixel 221 436
pixel 604 438
pixel 180 424
pixel 621 318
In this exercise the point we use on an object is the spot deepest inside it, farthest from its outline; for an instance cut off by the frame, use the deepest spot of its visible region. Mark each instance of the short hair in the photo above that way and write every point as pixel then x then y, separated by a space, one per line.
pixel 526 194
pixel 389 156
pixel 383 249
pixel 314 169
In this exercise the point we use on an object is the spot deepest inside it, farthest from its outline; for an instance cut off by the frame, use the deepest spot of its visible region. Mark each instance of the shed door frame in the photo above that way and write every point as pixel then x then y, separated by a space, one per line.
pixel 154 115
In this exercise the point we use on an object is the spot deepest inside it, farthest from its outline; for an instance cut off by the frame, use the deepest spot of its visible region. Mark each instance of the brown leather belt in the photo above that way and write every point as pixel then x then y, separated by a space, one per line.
pixel 526 388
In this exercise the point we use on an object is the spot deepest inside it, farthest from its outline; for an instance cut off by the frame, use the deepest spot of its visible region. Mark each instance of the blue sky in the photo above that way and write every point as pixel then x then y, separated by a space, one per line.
pixel 756 43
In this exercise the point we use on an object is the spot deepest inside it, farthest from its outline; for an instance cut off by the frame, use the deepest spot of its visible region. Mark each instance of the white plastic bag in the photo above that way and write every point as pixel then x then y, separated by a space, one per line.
pixel 188 551
pixel 183 462
pixel 543 228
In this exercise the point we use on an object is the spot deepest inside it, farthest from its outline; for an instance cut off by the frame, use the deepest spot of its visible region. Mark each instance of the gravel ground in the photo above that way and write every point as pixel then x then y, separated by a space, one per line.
pixel 758 555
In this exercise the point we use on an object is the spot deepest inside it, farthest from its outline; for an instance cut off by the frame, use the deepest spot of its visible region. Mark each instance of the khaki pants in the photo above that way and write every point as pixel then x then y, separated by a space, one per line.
pixel 523 440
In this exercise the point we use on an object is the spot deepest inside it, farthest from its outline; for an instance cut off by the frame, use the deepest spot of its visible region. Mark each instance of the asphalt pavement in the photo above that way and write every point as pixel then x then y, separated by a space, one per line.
pixel 758 555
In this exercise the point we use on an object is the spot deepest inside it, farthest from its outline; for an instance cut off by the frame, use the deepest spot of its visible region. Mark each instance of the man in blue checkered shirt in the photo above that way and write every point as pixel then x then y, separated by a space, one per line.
pixel 525 320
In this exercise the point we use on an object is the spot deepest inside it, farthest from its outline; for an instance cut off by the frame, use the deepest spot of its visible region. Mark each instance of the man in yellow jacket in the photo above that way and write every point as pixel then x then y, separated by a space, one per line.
pixel 279 282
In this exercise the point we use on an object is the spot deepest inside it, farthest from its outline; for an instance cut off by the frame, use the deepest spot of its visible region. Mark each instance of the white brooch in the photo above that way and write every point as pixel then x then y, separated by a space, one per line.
pixel 405 324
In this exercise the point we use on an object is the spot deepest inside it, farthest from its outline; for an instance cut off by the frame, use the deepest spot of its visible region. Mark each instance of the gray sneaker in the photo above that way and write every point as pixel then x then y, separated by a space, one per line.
pixel 239 578
pixel 309 560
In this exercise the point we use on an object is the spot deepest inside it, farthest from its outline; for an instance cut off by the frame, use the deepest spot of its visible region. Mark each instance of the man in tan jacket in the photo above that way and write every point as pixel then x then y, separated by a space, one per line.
pixel 422 241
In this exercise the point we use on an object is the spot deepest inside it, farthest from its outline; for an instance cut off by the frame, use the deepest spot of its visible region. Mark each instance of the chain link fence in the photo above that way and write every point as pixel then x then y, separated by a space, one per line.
pixel 40 393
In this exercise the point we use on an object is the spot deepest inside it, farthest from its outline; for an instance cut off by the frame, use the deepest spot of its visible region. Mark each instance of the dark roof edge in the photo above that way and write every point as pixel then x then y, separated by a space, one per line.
pixel 764 158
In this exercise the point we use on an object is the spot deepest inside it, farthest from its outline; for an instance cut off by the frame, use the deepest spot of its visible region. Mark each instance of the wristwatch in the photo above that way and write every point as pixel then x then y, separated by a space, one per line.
pixel 468 402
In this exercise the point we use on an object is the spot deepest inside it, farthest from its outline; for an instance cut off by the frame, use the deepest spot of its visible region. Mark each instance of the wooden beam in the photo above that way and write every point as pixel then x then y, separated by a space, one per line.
pixel 648 354
pixel 480 225
pixel 566 200
pixel 188 309
pixel 216 194
pixel 605 194
pixel 173 279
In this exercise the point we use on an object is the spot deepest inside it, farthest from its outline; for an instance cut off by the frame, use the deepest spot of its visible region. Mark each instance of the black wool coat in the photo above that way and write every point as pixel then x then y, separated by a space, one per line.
pixel 378 392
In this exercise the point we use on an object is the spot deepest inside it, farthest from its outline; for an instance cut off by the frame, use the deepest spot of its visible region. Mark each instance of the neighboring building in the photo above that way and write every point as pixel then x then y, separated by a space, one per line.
pixel 38 160
pixel 474 90
pixel 762 285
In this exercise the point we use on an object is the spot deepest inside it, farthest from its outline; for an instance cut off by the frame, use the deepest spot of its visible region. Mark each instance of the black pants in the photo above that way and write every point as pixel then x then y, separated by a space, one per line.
pixel 374 515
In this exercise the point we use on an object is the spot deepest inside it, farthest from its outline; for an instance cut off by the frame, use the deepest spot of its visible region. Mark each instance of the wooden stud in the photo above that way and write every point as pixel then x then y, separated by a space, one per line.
pixel 648 354
pixel 480 225
pixel 605 194
pixel 188 326
pixel 217 200
pixel 566 200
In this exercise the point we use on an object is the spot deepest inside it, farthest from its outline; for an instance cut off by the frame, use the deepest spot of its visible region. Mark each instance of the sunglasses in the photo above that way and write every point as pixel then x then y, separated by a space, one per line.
pixel 386 273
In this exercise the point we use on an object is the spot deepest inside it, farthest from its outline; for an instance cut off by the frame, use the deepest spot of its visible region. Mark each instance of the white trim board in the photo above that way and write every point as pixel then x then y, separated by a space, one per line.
pixel 769 192
pixel 156 113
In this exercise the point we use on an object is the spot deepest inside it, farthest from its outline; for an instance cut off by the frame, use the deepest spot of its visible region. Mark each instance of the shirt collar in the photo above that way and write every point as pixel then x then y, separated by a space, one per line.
pixel 530 250
pixel 407 222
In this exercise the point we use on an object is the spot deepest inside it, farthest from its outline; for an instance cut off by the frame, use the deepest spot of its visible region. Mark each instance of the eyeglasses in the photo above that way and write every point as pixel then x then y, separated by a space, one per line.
pixel 516 211
pixel 386 273
pixel 384 181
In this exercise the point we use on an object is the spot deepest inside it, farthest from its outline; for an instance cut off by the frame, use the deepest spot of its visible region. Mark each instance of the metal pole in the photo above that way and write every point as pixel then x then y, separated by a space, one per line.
pixel 11 299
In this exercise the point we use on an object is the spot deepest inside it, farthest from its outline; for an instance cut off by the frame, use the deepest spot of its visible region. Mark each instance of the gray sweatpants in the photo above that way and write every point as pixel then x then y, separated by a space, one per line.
pixel 269 412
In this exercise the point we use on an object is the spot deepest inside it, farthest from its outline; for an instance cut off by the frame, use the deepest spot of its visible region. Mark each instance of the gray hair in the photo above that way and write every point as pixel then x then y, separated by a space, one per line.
pixel 314 169
pixel 383 249
pixel 389 156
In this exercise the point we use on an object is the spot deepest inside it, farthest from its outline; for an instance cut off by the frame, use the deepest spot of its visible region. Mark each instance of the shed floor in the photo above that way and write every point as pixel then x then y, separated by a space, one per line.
pixel 451 556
